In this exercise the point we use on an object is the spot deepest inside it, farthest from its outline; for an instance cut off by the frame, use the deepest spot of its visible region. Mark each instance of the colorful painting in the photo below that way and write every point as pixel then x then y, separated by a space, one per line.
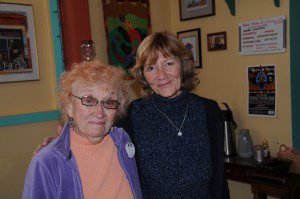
pixel 18 60
pixel 262 91
pixel 127 23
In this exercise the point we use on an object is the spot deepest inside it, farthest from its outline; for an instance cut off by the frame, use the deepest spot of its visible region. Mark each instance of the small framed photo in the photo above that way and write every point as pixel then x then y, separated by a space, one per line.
pixel 18 56
pixel 191 9
pixel 216 41
pixel 192 41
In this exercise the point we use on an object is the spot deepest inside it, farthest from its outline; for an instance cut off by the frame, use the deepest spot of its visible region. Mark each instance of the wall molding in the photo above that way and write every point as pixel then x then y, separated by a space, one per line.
pixel 231 5
pixel 29 118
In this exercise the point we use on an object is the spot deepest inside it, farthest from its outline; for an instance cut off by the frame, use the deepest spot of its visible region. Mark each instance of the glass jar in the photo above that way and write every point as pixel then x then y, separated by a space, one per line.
pixel 258 153
pixel 88 50
pixel 245 145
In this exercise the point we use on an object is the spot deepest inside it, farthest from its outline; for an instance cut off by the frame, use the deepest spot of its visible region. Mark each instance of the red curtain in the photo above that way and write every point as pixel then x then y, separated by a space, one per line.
pixel 75 25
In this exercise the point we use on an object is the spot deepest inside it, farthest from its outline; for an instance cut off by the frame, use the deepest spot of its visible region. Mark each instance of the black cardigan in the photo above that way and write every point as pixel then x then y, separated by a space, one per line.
pixel 216 138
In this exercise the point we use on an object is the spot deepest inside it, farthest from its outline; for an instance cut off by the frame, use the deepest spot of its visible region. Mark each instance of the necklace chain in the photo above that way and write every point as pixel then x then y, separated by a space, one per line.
pixel 179 129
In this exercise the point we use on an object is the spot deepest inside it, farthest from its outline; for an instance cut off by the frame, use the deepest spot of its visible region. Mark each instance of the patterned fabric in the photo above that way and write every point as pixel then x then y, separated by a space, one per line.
pixel 172 166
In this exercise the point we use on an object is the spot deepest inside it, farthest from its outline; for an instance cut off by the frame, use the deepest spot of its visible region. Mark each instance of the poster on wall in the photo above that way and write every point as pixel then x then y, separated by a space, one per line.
pixel 262 91
pixel 18 57
pixel 127 23
pixel 263 36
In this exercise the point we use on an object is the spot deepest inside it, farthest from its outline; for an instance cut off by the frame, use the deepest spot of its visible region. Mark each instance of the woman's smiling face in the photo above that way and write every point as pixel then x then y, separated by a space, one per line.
pixel 92 122
pixel 164 76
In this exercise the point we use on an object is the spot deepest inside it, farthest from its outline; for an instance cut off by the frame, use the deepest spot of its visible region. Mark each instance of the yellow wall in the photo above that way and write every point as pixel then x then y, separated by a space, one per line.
pixel 224 75
pixel 160 20
pixel 34 96
pixel 160 12
pixel 16 146
pixel 18 142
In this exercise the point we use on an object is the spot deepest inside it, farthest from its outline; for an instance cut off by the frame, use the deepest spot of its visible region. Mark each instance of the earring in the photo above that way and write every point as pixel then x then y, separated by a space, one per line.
pixel 71 122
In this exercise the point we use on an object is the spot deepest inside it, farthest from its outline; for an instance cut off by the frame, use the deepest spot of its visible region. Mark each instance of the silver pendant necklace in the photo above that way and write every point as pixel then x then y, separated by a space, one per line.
pixel 179 133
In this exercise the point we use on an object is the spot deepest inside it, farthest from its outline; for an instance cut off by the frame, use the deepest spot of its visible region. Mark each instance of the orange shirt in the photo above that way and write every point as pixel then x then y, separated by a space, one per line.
pixel 100 171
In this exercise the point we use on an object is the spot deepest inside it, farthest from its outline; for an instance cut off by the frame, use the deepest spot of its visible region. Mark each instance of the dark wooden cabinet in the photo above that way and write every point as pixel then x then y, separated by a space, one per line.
pixel 241 170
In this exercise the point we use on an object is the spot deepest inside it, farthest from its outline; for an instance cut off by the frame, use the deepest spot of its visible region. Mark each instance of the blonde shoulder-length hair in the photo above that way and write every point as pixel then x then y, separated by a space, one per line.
pixel 170 46
pixel 93 72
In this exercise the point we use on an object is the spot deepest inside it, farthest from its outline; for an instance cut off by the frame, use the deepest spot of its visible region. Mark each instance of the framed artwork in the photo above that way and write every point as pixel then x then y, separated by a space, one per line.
pixel 18 56
pixel 192 41
pixel 127 23
pixel 216 41
pixel 191 9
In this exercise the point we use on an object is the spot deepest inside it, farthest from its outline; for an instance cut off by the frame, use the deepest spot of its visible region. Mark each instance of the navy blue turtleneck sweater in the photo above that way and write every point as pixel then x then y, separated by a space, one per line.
pixel 171 166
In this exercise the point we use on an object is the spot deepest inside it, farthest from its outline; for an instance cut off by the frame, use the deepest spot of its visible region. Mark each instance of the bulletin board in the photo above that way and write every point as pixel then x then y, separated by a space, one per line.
pixel 263 36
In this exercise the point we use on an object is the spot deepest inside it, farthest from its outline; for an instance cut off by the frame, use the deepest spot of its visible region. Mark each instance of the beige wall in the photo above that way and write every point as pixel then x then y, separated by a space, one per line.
pixel 223 78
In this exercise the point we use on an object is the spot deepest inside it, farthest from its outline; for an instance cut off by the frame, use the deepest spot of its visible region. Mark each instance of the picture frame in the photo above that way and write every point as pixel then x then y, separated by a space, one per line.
pixel 17 43
pixel 216 41
pixel 192 40
pixel 127 23
pixel 191 9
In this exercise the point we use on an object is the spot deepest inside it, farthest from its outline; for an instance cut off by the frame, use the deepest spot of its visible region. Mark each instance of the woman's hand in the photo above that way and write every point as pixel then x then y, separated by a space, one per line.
pixel 46 141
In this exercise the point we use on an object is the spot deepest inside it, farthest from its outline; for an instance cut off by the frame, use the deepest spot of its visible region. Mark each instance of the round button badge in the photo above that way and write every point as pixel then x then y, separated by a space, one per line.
pixel 130 149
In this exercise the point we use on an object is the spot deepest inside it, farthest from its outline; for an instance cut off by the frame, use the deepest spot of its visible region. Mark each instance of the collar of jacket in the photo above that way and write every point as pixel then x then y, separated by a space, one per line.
pixel 62 144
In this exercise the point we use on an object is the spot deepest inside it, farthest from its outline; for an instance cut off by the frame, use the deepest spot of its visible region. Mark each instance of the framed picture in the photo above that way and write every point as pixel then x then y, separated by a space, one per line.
pixel 192 41
pixel 216 41
pixel 191 9
pixel 127 23
pixel 18 57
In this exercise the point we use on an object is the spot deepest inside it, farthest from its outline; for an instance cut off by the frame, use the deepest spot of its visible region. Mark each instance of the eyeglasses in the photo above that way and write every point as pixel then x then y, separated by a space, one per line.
pixel 90 101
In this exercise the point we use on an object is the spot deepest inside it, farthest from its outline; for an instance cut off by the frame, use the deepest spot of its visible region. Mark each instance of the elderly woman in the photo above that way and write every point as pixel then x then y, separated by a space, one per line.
pixel 178 135
pixel 90 159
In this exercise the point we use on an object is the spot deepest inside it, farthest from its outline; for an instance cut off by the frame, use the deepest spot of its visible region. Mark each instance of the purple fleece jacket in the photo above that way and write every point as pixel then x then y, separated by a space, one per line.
pixel 53 172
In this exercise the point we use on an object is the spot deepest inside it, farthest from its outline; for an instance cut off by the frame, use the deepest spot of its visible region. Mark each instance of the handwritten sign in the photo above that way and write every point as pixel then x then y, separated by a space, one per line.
pixel 263 36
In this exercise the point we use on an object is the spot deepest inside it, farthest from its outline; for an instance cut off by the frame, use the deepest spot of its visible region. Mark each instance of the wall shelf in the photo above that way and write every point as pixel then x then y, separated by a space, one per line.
pixel 231 5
